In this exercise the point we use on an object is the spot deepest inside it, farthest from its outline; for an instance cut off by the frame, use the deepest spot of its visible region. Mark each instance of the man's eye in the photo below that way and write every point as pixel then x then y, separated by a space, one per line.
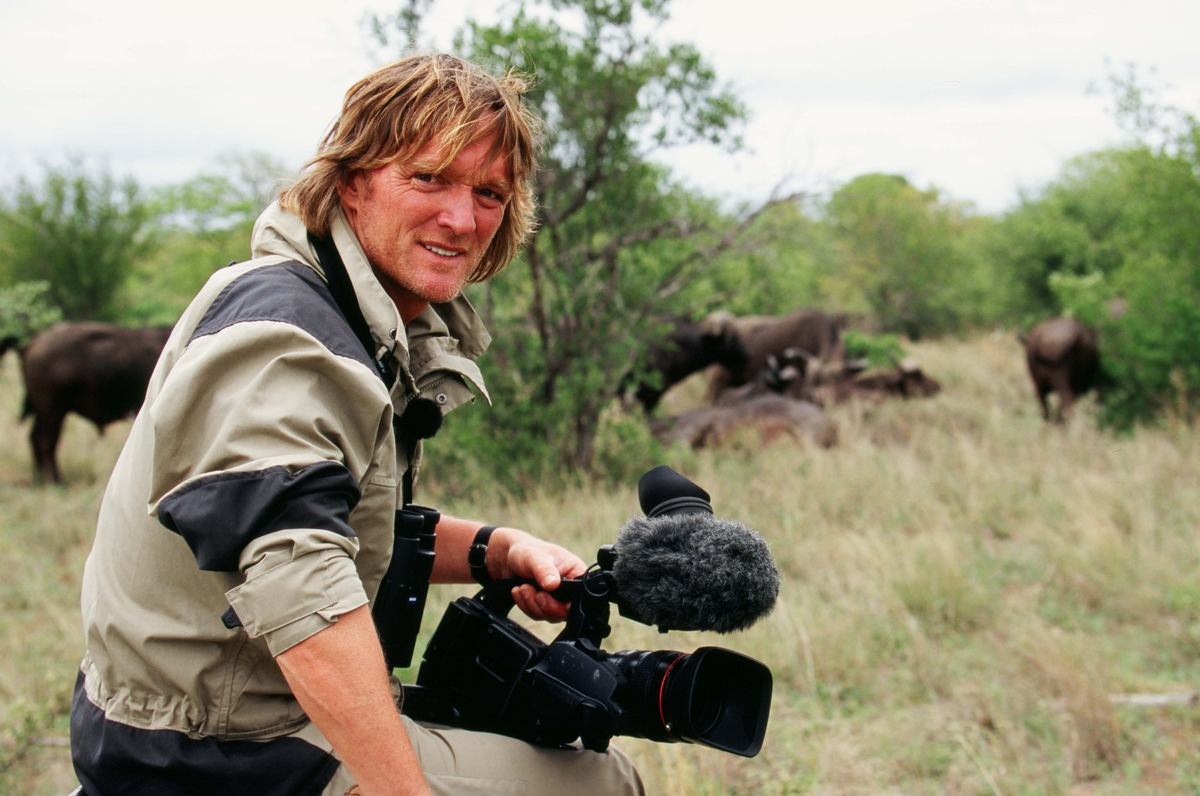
pixel 424 177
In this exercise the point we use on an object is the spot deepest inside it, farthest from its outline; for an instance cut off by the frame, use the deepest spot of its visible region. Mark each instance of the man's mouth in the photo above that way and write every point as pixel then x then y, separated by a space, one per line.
pixel 438 250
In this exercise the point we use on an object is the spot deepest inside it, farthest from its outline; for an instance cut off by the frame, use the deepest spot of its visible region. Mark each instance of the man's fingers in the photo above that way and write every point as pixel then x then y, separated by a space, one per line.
pixel 539 604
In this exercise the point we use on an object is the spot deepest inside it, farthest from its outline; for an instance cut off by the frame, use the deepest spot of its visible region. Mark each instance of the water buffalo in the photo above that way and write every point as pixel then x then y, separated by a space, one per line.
pixel 904 380
pixel 97 370
pixel 691 347
pixel 1063 358
pixel 807 332
pixel 777 377
pixel 761 419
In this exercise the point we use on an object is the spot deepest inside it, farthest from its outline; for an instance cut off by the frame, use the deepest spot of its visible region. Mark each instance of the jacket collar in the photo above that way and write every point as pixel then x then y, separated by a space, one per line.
pixel 447 336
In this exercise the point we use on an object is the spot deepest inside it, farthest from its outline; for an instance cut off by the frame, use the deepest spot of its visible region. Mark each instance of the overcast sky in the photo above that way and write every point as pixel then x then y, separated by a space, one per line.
pixel 977 99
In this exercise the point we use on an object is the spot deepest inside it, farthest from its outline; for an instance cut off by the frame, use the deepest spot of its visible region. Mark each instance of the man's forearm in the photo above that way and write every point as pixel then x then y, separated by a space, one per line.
pixel 340 680
pixel 454 537
pixel 511 553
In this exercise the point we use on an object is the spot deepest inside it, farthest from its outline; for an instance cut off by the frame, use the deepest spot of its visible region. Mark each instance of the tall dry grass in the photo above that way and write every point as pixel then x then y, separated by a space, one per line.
pixel 964 591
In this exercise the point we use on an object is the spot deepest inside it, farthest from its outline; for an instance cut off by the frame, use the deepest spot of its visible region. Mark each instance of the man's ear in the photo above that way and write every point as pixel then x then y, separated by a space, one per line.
pixel 352 190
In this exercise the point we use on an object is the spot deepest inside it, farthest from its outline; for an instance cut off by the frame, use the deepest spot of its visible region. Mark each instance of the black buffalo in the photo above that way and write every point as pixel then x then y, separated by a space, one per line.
pixel 904 380
pixel 97 370
pixel 761 419
pixel 808 333
pixel 1063 358
pixel 690 347
pixel 776 377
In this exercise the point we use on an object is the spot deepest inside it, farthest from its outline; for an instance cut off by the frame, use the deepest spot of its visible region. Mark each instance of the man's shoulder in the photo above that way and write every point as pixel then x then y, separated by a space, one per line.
pixel 278 291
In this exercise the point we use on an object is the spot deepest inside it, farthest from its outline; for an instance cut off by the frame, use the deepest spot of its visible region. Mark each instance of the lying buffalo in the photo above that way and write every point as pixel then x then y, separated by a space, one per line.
pixel 778 376
pixel 690 347
pixel 96 370
pixel 1063 358
pixel 904 380
pixel 810 333
pixel 763 419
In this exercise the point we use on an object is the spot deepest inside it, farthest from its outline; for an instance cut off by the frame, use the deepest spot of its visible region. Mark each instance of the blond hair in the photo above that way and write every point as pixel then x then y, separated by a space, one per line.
pixel 394 112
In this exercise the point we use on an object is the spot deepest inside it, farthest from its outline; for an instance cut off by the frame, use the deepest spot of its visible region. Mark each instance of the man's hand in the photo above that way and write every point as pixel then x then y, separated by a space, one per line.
pixel 529 557
pixel 511 553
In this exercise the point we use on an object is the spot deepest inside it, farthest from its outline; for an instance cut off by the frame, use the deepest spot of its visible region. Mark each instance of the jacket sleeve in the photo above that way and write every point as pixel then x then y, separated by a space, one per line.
pixel 264 438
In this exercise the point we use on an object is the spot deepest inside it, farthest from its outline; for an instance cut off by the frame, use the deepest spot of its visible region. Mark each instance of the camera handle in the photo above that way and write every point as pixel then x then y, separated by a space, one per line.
pixel 587 621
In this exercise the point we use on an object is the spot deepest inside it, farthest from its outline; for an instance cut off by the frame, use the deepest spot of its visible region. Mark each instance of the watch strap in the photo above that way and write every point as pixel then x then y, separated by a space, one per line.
pixel 477 556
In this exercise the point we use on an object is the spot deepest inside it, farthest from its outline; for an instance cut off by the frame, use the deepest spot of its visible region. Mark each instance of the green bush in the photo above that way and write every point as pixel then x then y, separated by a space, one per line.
pixel 25 310
pixel 80 233
pixel 880 350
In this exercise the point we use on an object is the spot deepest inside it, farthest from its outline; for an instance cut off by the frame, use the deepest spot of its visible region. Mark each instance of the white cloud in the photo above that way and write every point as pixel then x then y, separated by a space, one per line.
pixel 977 99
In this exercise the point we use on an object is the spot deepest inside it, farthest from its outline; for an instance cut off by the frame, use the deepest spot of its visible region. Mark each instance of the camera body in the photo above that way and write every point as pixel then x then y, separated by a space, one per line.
pixel 483 671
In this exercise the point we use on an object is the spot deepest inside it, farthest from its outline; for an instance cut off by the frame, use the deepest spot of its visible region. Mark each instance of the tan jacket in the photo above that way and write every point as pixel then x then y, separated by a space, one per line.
pixel 262 473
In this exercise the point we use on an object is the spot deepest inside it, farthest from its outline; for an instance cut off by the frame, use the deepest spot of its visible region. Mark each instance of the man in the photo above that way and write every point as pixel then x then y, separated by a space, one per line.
pixel 249 519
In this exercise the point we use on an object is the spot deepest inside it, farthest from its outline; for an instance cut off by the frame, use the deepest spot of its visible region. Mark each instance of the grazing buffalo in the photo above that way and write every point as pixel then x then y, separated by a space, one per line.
pixel 1063 358
pixel 760 420
pixel 809 333
pixel 96 370
pixel 689 348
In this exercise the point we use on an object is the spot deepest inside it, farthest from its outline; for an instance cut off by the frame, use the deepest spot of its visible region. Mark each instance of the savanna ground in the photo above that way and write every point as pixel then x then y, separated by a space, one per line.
pixel 969 596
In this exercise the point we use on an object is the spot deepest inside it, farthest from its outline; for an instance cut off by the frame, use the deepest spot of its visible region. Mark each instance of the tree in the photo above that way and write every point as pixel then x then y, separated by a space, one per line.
pixel 204 224
pixel 785 260
pixel 230 196
pixel 618 243
pixel 899 252
pixel 25 311
pixel 1128 227
pixel 80 232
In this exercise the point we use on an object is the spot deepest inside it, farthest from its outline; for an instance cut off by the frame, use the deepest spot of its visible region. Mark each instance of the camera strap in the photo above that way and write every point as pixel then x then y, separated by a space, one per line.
pixel 400 599
pixel 421 415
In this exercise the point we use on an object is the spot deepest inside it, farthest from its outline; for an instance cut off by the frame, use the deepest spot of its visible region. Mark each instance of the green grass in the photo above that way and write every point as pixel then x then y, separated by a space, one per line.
pixel 964 589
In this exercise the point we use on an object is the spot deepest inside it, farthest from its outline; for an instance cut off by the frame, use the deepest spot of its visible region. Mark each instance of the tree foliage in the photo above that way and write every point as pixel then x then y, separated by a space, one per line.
pixel 900 251
pixel 25 310
pixel 80 232
pixel 1128 224
pixel 786 259
pixel 623 249
pixel 231 195
pixel 204 223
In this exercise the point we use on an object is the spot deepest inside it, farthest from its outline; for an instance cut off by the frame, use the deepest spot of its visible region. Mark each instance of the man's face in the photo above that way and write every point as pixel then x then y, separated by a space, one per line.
pixel 424 232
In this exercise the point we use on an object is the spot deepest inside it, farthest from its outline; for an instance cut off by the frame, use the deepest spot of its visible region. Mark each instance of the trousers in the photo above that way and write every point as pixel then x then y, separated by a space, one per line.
pixel 460 762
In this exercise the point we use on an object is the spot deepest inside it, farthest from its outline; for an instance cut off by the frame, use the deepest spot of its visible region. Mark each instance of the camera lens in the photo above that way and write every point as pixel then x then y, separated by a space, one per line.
pixel 707 709
pixel 646 676
pixel 714 697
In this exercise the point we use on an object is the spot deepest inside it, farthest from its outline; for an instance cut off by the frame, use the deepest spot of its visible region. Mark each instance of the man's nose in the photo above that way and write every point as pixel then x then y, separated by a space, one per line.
pixel 458 213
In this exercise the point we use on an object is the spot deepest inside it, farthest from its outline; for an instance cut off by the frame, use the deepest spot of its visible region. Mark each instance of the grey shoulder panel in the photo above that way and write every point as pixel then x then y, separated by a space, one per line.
pixel 290 293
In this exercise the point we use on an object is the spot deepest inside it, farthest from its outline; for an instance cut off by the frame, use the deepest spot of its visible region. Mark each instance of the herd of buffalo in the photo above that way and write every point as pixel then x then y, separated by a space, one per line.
pixel 769 376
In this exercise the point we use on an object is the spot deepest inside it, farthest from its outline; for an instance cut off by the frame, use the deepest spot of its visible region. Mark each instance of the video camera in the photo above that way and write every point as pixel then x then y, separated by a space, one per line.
pixel 679 568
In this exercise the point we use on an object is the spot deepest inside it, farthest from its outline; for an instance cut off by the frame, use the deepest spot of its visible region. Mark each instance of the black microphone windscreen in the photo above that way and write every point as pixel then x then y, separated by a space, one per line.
pixel 693 572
